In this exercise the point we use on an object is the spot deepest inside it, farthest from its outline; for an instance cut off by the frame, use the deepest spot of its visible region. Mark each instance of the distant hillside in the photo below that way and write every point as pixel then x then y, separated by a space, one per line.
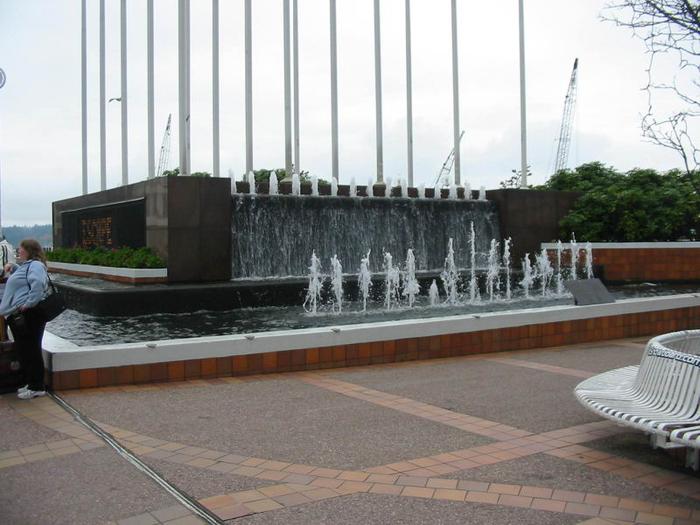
pixel 40 232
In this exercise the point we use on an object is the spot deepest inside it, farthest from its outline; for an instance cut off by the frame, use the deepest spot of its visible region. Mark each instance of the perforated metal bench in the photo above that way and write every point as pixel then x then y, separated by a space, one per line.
pixel 660 396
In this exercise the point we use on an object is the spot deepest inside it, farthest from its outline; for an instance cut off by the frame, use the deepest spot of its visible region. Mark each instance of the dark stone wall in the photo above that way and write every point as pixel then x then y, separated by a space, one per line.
pixel 188 223
pixel 530 217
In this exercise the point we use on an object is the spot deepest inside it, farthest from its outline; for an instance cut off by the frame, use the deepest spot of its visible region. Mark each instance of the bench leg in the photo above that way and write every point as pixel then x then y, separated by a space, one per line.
pixel 658 441
pixel 692 458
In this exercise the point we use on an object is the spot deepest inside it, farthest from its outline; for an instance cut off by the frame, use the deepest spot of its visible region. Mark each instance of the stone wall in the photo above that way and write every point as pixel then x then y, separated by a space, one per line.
pixel 540 335
pixel 188 222
pixel 640 262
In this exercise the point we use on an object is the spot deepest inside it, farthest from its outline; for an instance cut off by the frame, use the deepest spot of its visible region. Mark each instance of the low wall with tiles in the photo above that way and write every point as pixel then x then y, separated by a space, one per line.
pixel 72 367
pixel 642 261
pixel 107 273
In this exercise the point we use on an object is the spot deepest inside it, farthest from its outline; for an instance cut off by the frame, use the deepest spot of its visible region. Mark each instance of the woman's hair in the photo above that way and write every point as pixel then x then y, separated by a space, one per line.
pixel 34 250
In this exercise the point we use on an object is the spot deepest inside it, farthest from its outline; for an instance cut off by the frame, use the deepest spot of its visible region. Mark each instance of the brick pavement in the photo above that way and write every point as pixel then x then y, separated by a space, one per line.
pixel 286 484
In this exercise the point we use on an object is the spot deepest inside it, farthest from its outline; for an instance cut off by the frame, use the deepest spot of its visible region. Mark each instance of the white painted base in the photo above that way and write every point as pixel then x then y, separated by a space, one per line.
pixel 67 357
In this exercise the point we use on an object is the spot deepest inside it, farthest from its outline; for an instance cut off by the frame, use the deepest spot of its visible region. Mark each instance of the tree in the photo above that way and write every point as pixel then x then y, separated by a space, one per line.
pixel 670 29
pixel 176 172
pixel 641 205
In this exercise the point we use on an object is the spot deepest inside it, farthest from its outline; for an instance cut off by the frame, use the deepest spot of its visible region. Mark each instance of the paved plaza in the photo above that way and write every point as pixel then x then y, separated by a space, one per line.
pixel 486 439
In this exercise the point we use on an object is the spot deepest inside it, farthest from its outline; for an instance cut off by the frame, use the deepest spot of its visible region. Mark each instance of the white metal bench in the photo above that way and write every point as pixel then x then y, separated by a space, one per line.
pixel 660 396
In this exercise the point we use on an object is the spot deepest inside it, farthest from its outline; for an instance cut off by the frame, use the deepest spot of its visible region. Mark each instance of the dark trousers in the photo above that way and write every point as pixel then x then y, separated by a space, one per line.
pixel 28 341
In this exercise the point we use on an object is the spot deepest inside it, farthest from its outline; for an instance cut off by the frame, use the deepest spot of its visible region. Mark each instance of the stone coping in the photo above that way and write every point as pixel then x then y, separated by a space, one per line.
pixel 625 245
pixel 65 357
pixel 133 275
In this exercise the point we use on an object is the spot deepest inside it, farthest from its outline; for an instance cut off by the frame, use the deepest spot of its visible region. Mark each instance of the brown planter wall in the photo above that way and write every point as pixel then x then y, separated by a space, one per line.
pixel 450 345
pixel 188 222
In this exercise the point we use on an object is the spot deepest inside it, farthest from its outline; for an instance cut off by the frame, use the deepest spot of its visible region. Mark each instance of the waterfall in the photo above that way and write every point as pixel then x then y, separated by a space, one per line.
pixel 273 235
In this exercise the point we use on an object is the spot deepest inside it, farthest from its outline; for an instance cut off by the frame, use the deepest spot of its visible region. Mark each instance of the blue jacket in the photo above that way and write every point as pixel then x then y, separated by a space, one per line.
pixel 28 284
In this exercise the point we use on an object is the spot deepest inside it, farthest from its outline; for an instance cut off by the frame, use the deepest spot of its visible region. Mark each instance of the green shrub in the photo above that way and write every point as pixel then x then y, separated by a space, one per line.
pixel 115 258
pixel 640 205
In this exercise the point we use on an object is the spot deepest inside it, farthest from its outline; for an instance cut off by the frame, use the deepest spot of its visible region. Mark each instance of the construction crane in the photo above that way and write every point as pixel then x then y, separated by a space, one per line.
pixel 567 119
pixel 444 172
pixel 164 149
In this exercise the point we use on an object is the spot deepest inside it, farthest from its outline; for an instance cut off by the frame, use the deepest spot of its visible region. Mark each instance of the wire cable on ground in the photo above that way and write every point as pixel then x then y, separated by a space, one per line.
pixel 183 498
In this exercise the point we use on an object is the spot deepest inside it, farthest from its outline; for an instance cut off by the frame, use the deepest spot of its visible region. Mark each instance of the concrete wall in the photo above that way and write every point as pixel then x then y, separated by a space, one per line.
pixel 530 217
pixel 641 261
pixel 188 223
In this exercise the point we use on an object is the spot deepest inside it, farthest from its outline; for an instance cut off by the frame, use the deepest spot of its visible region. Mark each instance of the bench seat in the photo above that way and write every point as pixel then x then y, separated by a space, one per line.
pixel 661 396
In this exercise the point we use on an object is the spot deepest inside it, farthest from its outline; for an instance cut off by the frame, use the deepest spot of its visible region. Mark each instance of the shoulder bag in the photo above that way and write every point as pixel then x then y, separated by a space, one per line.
pixel 52 305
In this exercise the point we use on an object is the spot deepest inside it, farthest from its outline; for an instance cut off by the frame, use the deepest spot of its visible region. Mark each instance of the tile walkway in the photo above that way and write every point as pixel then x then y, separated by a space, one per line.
pixel 293 485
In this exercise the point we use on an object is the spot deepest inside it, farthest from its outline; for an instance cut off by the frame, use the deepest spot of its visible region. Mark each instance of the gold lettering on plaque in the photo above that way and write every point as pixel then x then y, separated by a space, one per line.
pixel 96 232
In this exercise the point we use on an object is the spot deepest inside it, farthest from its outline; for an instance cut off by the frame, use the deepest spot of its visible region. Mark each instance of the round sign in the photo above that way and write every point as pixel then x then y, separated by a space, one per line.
pixel 2 78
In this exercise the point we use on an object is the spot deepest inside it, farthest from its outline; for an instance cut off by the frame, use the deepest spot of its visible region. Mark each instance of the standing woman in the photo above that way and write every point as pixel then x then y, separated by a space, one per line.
pixel 26 286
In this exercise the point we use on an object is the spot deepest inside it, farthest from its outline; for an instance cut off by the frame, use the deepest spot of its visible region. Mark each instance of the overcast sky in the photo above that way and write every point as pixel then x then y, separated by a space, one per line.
pixel 40 133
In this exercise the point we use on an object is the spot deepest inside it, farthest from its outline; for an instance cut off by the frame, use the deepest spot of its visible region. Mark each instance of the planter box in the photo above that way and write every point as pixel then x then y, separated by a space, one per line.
pixel 634 262
pixel 107 273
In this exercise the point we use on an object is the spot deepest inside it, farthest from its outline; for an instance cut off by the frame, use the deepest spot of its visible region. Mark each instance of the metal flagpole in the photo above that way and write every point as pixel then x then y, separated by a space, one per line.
pixel 103 101
pixel 215 85
pixel 149 82
pixel 523 112
pixel 188 106
pixel 287 92
pixel 125 124
pixel 182 88
pixel 83 90
pixel 248 88
pixel 409 97
pixel 295 67
pixel 455 95
pixel 378 91
pixel 334 93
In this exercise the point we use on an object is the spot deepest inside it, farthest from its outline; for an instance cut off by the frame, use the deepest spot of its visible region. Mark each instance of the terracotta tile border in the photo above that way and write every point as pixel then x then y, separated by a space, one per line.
pixel 391 351
pixel 300 484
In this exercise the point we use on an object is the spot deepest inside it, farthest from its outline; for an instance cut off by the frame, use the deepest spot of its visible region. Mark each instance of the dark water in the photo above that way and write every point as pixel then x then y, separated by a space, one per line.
pixel 275 235
pixel 84 329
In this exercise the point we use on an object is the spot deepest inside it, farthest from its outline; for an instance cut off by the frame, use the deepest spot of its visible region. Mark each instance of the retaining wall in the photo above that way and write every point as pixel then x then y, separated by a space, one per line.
pixel 209 357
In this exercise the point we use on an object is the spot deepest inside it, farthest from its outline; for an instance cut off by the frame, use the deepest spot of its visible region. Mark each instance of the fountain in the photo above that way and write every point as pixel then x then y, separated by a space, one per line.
pixel 492 274
pixel 232 176
pixel 589 261
pixel 404 188
pixel 574 257
pixel 436 192
pixel 473 287
pixel 392 281
pixel 482 193
pixel 560 277
pixel 251 183
pixel 273 188
pixel 370 187
pixel 313 293
pixel 353 188
pixel 421 191
pixel 449 275
pixel 334 187
pixel 337 284
pixel 544 270
pixel 529 276
pixel 453 192
pixel 506 265
pixel 296 184
pixel 314 186
pixel 433 294
pixel 467 191
pixel 411 288
pixel 364 281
